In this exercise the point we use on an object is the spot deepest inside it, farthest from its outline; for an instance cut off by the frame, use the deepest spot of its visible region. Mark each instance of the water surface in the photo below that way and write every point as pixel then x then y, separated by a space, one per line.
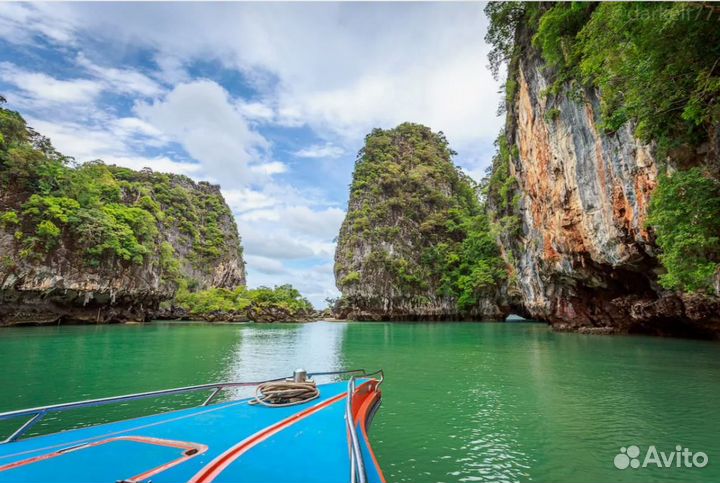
pixel 462 402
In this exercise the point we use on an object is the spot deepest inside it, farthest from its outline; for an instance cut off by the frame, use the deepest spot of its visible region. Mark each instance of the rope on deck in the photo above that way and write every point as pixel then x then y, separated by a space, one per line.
pixel 282 393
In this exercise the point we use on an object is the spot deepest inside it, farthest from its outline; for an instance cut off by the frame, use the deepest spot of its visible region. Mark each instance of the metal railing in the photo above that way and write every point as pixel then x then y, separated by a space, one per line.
pixel 357 463
pixel 40 412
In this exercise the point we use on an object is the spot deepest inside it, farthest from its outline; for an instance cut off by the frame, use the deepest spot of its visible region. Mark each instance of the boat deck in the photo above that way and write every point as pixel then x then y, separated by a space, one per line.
pixel 226 442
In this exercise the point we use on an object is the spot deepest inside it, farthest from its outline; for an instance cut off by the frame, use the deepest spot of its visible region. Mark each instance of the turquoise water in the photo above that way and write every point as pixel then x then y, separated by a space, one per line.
pixel 462 402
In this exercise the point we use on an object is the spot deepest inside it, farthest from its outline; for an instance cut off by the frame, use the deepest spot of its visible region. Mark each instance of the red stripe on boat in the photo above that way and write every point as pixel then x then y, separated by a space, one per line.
pixel 362 414
pixel 219 464
pixel 187 446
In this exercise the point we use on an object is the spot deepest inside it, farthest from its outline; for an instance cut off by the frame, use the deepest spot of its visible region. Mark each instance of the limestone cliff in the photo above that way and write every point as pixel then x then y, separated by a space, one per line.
pixel 415 244
pixel 583 255
pixel 96 243
pixel 604 195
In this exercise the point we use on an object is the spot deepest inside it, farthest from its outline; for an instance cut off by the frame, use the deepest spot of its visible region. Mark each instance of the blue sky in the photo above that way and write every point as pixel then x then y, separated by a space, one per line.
pixel 271 101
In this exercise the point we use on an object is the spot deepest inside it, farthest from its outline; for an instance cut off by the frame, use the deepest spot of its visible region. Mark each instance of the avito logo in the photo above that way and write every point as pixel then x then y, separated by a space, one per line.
pixel 680 458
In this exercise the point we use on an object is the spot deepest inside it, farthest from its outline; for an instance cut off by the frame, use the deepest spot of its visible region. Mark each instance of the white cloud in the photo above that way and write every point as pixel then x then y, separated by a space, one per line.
pixel 257 111
pixel 339 68
pixel 81 141
pixel 453 98
pixel 246 199
pixel 172 69
pixel 42 87
pixel 201 117
pixel 270 266
pixel 327 150
pixel 21 22
pixel 282 227
pixel 132 125
pixel 279 245
pixel 39 89
pixel 290 232
pixel 324 223
pixel 269 169
pixel 126 81
pixel 112 144
pixel 161 164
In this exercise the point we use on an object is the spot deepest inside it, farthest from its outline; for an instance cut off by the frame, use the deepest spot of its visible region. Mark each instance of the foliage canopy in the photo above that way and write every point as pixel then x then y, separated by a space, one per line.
pixel 685 213
pixel 241 299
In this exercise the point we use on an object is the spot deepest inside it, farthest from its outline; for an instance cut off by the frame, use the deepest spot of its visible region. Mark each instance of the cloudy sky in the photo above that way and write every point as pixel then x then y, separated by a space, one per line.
pixel 271 101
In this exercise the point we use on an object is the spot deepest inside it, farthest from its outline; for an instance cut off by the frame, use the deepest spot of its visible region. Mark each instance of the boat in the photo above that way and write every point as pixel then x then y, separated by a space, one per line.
pixel 292 430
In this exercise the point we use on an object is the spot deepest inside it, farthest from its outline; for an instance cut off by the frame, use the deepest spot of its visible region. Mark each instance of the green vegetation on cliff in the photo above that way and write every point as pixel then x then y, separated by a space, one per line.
pixel 685 212
pixel 501 190
pixel 415 225
pixel 107 214
pixel 248 302
pixel 655 65
pixel 502 195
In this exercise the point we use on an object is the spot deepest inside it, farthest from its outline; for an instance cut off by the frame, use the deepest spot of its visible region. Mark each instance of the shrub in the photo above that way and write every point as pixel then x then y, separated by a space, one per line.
pixel 685 214
pixel 9 218
pixel 242 299
pixel 350 279
pixel 48 233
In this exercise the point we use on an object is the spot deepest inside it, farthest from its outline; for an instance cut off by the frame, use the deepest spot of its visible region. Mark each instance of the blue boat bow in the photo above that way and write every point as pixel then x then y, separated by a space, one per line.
pixel 319 440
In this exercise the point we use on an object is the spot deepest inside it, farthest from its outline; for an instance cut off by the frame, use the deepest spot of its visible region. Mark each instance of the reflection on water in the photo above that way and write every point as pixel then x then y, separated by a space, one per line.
pixel 517 402
pixel 270 351
pixel 49 365
pixel 462 402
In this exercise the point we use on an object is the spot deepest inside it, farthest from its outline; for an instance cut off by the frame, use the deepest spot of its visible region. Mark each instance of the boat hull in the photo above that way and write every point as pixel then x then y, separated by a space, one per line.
pixel 227 442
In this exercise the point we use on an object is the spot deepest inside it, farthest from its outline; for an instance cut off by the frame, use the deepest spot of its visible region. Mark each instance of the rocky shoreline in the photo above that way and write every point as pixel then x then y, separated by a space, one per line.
pixel 254 314
pixel 46 313
pixel 113 315
pixel 220 317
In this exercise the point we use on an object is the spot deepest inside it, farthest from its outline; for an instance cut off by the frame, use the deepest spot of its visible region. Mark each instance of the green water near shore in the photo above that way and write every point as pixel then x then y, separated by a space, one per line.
pixel 462 402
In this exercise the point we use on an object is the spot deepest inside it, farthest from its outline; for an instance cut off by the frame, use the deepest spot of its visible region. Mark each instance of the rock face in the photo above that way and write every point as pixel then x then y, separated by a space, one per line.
pixel 62 288
pixel 223 267
pixel 251 314
pixel 584 259
pixel 404 221
pixel 97 243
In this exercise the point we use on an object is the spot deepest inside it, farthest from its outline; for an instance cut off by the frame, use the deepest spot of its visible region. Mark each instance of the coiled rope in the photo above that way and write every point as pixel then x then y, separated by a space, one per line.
pixel 283 393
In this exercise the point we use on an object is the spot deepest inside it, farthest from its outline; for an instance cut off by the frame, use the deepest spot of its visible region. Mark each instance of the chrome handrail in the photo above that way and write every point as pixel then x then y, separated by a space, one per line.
pixel 357 463
pixel 39 412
